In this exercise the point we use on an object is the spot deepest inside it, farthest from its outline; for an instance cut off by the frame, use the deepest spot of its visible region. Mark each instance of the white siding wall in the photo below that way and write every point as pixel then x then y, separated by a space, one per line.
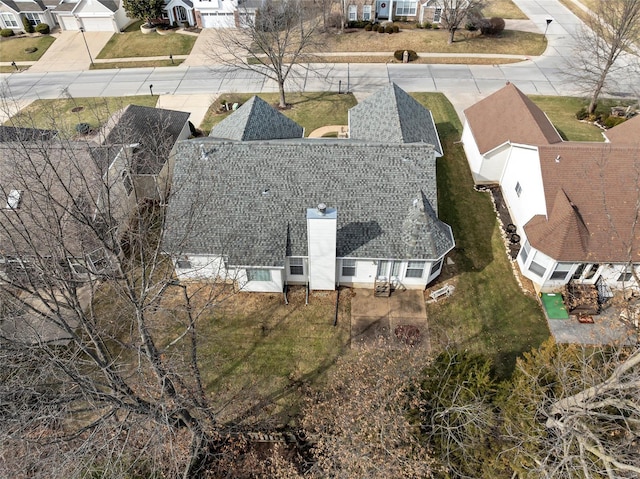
pixel 494 163
pixel 367 270
pixel 321 234
pixel 473 154
pixel 215 6
pixel 276 285
pixel 523 167
pixel 202 267
pixel 122 20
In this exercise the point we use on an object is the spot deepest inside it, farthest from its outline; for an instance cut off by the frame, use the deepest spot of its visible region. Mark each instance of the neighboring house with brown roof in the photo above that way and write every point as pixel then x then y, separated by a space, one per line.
pixel 496 125
pixel 625 133
pixel 575 204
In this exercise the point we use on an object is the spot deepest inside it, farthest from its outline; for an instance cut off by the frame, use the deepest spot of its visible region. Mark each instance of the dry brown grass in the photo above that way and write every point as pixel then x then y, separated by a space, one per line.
pixel 424 60
pixel 509 43
pixel 504 9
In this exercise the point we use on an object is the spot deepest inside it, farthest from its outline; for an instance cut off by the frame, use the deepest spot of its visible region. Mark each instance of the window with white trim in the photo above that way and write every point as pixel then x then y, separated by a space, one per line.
pixel 561 271
pixel 406 8
pixel 436 267
pixel 258 275
pixel 348 267
pixel 366 12
pixel 537 269
pixel 296 266
pixel 9 20
pixel 415 269
pixel 183 264
pixel 34 18
pixel 518 189
pixel 626 275
pixel 353 13
pixel 437 14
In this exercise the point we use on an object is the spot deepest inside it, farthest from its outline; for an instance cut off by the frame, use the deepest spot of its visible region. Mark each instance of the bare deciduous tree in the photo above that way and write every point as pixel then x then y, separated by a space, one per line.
pixel 574 412
pixel 279 37
pixel 611 30
pixel 454 12
pixel 98 342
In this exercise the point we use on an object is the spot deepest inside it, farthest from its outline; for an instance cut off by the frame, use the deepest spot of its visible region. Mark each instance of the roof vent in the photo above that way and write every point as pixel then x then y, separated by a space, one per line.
pixel 322 208
pixel 558 159
pixel 415 202
pixel 266 192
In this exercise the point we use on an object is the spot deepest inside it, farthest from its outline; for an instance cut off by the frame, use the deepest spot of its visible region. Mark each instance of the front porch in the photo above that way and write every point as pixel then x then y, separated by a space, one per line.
pixel 180 13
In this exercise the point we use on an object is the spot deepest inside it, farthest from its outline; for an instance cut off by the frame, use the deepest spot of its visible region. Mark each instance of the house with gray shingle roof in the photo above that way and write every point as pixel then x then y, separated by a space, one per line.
pixel 93 16
pixel 392 115
pixel 35 11
pixel 256 120
pixel 574 204
pixel 322 212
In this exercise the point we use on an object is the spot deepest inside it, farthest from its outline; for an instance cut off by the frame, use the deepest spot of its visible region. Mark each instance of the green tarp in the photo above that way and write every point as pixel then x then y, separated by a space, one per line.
pixel 554 306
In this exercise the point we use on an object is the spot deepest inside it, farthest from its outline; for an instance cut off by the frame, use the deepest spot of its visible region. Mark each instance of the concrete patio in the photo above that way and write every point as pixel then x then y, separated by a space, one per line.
pixel 379 320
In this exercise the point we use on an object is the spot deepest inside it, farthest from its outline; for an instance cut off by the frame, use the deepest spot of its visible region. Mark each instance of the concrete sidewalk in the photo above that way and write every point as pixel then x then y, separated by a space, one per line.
pixel 196 105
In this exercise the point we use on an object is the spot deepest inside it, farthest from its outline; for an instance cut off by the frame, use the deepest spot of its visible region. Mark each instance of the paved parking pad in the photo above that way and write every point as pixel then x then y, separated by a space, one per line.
pixel 390 322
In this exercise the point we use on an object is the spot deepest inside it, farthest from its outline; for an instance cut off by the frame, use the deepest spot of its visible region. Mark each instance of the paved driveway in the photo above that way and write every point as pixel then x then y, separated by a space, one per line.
pixel 402 317
pixel 69 51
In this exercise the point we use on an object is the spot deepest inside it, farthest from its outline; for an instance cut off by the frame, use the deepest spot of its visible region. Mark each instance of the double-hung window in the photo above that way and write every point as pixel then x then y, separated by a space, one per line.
pixel 437 14
pixel 34 18
pixel 348 267
pixel 415 269
pixel 9 20
pixel 353 13
pixel 366 12
pixel 296 266
pixel 626 275
pixel 561 271
pixel 518 189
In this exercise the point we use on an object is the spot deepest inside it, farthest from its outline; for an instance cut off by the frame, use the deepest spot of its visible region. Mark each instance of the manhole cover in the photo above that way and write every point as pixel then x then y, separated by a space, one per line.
pixel 77 109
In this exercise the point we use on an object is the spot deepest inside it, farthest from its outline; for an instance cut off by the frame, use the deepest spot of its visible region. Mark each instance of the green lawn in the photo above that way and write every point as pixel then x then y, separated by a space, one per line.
pixel 58 114
pixel 12 49
pixel 562 113
pixel 488 313
pixel 133 43
pixel 310 110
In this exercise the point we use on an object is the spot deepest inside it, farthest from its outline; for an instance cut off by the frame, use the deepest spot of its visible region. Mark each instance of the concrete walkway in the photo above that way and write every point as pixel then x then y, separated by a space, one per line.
pixel 69 51
pixel 379 321
pixel 196 105
pixel 322 131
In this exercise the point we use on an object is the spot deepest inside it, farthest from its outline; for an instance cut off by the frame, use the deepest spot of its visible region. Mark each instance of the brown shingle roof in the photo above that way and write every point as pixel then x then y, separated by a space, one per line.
pixel 592 193
pixel 625 133
pixel 509 115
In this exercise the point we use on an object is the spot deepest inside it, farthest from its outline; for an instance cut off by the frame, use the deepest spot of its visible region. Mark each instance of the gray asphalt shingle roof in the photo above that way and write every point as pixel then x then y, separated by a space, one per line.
pixel 392 115
pixel 256 120
pixel 247 201
pixel 155 129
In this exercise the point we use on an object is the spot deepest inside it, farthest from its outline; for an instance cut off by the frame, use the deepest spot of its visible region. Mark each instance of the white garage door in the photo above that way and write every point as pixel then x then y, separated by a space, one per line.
pixel 97 24
pixel 218 20
pixel 69 23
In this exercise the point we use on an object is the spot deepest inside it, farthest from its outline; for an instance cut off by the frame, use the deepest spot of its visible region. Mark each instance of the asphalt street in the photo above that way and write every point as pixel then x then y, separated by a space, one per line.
pixel 540 75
